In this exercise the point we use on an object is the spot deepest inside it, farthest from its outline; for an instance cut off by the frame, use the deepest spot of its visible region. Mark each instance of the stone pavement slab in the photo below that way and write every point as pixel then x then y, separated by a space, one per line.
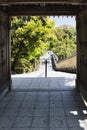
pixel 23 122
pixel 58 121
pixel 43 104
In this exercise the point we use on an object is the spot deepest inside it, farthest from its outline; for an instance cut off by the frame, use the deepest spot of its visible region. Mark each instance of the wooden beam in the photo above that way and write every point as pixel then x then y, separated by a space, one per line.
pixel 43 10
pixel 10 2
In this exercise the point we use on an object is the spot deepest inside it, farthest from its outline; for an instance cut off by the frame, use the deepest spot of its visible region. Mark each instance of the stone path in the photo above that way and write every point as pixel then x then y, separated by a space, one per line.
pixel 43 104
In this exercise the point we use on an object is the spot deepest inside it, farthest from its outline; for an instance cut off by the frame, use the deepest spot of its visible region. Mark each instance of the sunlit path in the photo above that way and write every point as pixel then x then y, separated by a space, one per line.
pixel 39 103
pixel 37 81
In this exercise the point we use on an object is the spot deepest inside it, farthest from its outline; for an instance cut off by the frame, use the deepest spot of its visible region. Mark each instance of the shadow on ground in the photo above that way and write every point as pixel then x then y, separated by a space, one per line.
pixel 43 104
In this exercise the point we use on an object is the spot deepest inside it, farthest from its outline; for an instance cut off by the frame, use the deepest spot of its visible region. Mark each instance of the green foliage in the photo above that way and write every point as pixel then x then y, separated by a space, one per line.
pixel 65 44
pixel 30 38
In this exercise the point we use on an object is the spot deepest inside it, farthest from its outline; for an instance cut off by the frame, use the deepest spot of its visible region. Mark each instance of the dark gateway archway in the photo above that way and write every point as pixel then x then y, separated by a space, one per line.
pixel 43 7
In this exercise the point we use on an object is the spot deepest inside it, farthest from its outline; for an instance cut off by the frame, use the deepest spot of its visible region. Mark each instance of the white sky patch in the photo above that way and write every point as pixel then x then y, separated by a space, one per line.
pixel 64 20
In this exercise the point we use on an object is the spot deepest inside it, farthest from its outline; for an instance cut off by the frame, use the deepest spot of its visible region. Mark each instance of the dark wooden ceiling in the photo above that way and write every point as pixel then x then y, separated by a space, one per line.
pixel 9 2
pixel 42 7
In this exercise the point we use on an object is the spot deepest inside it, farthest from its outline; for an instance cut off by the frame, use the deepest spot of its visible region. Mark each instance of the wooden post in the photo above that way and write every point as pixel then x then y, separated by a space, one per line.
pixel 82 53
pixel 45 68
pixel 5 76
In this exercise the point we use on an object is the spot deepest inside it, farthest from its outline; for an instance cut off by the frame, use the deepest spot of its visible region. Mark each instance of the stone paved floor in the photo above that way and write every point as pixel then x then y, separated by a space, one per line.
pixel 43 104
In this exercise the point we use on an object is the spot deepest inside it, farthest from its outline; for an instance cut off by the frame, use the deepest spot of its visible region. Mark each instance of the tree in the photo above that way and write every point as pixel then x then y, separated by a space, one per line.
pixel 30 38
pixel 65 44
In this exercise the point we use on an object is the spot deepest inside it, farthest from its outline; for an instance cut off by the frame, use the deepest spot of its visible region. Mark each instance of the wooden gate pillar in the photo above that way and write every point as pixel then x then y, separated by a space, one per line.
pixel 5 76
pixel 81 81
